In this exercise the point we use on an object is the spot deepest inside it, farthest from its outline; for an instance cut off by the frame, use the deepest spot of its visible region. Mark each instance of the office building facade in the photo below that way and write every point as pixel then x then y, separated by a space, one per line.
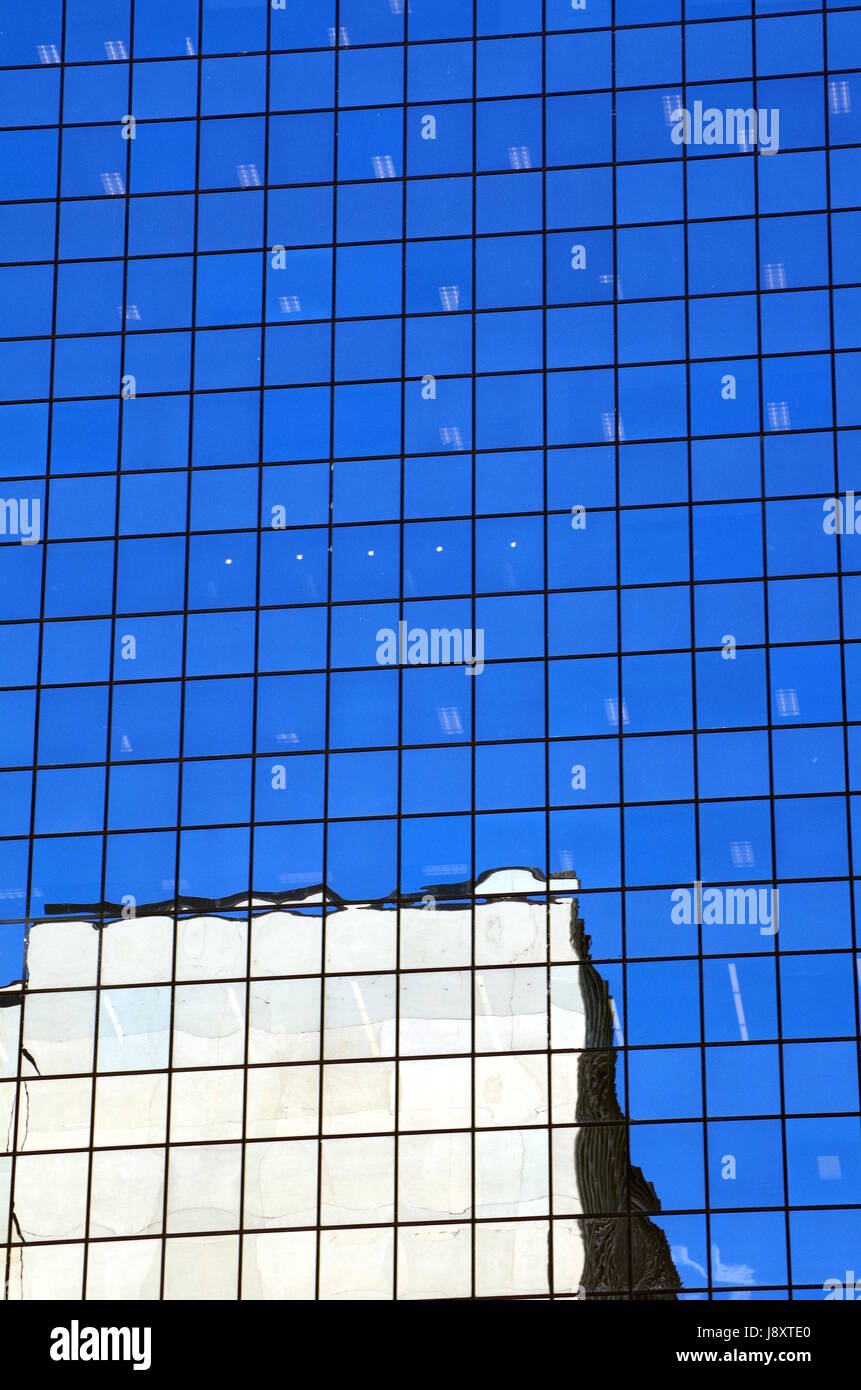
pixel 430 539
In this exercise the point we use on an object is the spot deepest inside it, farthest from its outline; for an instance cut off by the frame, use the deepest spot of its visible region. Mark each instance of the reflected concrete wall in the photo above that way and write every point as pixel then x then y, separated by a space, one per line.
pixel 284 1103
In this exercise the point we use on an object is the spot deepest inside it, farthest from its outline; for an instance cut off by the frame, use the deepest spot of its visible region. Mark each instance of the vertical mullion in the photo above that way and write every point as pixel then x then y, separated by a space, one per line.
pixel 399 823
pixel 839 542
pixel 551 1281
pixel 264 277
pixel 327 740
pixel 767 634
pixel 472 535
pixel 28 902
pixel 184 665
pixel 124 405
pixel 620 688
pixel 694 712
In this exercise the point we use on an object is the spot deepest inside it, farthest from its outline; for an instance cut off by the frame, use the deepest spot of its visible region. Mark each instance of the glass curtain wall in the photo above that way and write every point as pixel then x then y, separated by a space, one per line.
pixel 430 647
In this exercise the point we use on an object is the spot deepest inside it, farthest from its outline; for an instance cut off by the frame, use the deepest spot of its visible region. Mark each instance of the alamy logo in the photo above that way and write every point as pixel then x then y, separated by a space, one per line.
pixel 837 1289
pixel 21 517
pixel 437 646
pixel 76 1343
pixel 718 907
pixel 742 127
pixel 842 516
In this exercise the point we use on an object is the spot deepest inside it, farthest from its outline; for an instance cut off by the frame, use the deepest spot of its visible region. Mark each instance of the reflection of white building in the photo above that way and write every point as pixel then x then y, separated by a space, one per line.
pixel 201 1139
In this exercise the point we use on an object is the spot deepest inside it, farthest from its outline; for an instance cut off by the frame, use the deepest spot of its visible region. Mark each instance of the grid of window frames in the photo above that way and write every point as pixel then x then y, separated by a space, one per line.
pixel 331 326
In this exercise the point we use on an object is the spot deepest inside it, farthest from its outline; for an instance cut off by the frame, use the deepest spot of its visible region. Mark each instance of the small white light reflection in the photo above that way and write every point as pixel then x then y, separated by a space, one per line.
pixel 775 275
pixel 112 1015
pixel 612 425
pixel 611 709
pixel 672 103
pixel 787 702
pixel 450 723
pixel 741 852
pixel 617 1024
pixel 483 995
pixel 234 1006
pixel 363 1015
pixel 736 996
